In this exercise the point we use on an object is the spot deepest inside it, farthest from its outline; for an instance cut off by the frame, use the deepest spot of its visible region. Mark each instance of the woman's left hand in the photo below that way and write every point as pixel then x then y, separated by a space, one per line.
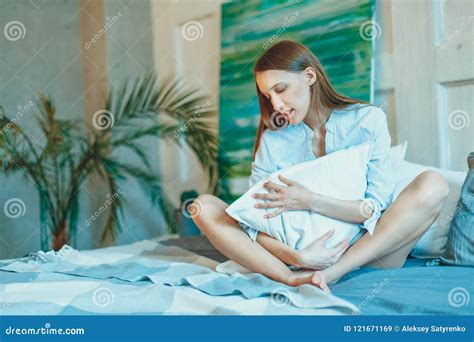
pixel 292 196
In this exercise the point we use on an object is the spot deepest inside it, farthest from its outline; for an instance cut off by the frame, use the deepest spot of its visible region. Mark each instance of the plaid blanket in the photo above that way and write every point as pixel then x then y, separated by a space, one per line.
pixel 148 278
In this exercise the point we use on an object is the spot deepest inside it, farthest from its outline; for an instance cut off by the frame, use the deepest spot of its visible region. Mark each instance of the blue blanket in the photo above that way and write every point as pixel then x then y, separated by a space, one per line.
pixel 148 278
pixel 420 287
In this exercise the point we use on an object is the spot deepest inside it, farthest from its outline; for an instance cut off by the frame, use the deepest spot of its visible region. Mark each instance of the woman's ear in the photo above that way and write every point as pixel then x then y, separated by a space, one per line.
pixel 310 75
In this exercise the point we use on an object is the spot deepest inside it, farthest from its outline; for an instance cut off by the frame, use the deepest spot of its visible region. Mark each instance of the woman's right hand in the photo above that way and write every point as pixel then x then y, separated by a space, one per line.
pixel 318 256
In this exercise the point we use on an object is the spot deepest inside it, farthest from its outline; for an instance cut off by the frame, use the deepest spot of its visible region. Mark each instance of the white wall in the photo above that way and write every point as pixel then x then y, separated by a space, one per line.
pixel 194 56
pixel 424 68
pixel 48 60
pixel 45 60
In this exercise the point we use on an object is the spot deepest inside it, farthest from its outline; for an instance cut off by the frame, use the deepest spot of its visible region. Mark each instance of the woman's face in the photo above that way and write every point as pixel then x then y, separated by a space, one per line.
pixel 288 92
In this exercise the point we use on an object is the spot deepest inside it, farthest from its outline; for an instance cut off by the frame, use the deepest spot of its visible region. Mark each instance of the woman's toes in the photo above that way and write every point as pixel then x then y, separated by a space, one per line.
pixel 319 280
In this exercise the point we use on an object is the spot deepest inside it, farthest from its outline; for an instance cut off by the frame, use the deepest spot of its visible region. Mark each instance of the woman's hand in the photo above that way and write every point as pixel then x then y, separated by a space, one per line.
pixel 291 196
pixel 318 256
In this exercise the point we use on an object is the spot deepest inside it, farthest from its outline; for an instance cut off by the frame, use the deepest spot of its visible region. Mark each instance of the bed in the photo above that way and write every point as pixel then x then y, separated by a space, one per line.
pixel 421 287
pixel 148 277
pixel 177 276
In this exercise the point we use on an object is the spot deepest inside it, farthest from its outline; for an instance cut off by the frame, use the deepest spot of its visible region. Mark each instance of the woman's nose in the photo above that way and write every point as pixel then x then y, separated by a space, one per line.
pixel 277 103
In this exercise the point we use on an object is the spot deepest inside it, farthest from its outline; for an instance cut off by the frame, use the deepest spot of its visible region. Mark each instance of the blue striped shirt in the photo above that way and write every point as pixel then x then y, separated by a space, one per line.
pixel 347 127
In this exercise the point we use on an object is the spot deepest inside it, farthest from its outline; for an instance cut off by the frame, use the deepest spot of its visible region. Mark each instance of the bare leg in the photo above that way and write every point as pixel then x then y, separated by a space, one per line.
pixel 226 236
pixel 304 258
pixel 404 222
pixel 283 252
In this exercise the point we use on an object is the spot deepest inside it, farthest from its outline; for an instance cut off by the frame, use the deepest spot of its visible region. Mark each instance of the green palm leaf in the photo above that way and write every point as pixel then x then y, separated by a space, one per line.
pixel 141 108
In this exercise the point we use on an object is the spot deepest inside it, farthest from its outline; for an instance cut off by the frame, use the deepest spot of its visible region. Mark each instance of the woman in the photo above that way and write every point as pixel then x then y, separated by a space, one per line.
pixel 291 85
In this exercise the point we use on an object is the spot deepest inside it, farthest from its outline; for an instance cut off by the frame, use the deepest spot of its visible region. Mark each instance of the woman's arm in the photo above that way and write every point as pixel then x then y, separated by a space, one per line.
pixel 349 211
pixel 297 197
pixel 262 166
pixel 377 195
pixel 304 258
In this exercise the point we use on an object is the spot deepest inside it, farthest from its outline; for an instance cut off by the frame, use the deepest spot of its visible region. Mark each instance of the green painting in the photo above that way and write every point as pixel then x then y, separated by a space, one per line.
pixel 338 33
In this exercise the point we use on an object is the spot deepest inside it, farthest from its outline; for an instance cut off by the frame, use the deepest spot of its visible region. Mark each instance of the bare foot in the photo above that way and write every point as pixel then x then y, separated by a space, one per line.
pixel 297 279
pixel 319 280
pixel 313 278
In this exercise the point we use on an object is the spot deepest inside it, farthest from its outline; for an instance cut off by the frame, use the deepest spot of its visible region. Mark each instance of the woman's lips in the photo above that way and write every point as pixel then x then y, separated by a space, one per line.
pixel 289 115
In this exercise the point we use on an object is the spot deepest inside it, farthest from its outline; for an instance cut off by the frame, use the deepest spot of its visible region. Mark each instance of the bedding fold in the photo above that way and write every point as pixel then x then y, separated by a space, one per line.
pixel 158 265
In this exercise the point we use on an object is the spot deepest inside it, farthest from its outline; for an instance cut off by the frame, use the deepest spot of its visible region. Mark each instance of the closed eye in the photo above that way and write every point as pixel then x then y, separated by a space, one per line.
pixel 277 90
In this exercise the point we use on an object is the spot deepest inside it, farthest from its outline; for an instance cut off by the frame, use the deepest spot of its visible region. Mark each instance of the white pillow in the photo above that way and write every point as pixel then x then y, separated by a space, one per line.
pixel 340 174
pixel 397 153
pixel 433 243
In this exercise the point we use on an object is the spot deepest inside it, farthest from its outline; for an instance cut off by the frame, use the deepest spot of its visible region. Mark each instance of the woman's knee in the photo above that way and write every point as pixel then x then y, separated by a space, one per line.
pixel 201 206
pixel 432 190
pixel 206 207
pixel 205 200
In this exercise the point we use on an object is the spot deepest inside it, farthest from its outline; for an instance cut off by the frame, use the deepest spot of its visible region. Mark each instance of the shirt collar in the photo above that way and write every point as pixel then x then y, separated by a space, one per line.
pixel 330 124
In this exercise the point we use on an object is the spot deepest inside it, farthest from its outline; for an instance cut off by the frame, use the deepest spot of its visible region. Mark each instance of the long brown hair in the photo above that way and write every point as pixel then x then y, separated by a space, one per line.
pixel 295 57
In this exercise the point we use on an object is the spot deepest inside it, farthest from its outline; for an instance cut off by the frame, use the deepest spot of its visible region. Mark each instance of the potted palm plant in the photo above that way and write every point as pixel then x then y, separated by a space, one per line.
pixel 74 152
